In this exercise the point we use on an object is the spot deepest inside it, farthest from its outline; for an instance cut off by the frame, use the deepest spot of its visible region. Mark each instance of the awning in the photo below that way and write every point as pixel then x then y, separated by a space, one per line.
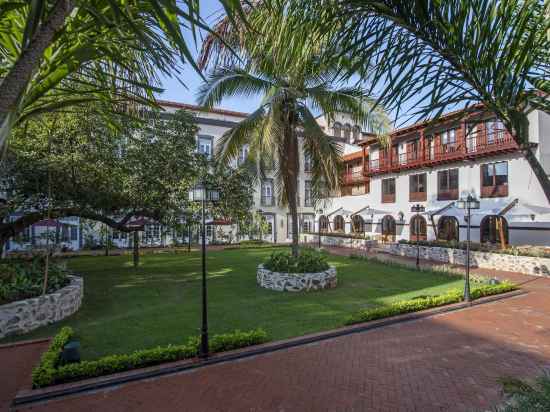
pixel 367 212
pixel 340 211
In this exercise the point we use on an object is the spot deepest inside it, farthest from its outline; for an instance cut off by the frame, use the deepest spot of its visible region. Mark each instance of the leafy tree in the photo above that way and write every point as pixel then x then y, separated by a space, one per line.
pixel 73 165
pixel 284 124
pixel 440 54
pixel 60 53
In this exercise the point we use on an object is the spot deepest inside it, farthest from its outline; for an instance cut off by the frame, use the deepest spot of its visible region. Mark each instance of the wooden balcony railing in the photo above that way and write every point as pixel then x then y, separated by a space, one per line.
pixel 353 177
pixel 476 144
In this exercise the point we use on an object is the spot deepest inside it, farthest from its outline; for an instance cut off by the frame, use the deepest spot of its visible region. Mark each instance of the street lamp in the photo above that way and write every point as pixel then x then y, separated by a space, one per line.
pixel 200 193
pixel 320 213
pixel 468 204
pixel 418 208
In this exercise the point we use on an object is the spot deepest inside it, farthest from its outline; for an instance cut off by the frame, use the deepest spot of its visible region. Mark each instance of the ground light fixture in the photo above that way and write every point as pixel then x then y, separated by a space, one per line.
pixel 320 213
pixel 202 194
pixel 418 208
pixel 468 204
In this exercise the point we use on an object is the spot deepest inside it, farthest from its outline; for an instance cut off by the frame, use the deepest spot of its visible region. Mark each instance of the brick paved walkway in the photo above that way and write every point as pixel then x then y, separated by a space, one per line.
pixel 448 362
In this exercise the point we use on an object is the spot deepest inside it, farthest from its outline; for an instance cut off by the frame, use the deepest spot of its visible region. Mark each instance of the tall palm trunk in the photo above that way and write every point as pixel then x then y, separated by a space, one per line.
pixel 520 131
pixel 19 75
pixel 291 160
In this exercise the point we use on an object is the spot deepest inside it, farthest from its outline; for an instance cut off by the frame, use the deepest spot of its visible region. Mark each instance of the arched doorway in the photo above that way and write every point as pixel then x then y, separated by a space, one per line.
pixel 448 229
pixel 323 223
pixel 339 223
pixel 418 228
pixel 388 229
pixel 357 224
pixel 494 229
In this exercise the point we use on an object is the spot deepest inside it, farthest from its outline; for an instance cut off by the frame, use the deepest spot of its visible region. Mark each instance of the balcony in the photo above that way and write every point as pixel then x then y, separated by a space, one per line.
pixel 475 145
pixel 354 177
pixel 267 201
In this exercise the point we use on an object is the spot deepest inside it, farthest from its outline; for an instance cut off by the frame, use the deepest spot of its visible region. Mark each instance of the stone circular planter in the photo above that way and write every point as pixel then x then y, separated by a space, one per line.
pixel 296 282
pixel 25 315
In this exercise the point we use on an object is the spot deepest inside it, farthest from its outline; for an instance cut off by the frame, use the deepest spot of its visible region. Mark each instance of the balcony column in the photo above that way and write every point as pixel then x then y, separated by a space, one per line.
pixel 462 141
pixel 422 147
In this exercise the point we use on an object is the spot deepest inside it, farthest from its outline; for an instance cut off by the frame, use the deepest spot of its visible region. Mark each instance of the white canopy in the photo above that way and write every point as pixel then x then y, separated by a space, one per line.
pixel 367 212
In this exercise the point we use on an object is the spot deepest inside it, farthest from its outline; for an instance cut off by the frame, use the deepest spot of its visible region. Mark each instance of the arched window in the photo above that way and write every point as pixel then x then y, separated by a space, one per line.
pixel 388 228
pixel 419 229
pixel 494 229
pixel 323 223
pixel 347 132
pixel 338 223
pixel 356 133
pixel 337 129
pixel 448 229
pixel 357 224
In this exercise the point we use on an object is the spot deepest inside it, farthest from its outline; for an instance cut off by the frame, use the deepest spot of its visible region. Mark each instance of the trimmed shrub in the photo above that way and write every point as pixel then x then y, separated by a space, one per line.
pixel 23 279
pixel 414 305
pixel 44 373
pixel 49 372
pixel 308 261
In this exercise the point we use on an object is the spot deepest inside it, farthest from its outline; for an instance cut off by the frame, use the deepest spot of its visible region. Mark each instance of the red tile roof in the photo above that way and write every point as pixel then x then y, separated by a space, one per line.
pixel 187 106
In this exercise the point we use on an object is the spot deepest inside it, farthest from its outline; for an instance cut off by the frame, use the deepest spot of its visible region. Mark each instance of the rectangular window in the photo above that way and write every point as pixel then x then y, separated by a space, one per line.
pixel 268 198
pixel 388 190
pixel 307 194
pixel 307 163
pixel 417 188
pixel 495 131
pixel 74 233
pixel 447 184
pixel 243 154
pixel 288 226
pixel 308 222
pixel 494 180
pixel 205 146
pixel 152 232
pixel 64 233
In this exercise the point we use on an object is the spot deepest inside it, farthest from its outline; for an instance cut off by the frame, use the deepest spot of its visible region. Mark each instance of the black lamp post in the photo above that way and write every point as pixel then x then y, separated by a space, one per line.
pixel 202 194
pixel 320 212
pixel 468 204
pixel 418 208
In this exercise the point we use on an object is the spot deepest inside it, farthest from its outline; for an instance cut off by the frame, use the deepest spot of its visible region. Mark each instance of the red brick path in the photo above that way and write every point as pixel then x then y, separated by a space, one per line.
pixel 16 363
pixel 450 362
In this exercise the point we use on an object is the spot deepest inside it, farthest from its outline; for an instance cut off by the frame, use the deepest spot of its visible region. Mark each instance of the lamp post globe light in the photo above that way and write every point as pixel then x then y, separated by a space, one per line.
pixel 418 208
pixel 468 204
pixel 320 213
pixel 200 193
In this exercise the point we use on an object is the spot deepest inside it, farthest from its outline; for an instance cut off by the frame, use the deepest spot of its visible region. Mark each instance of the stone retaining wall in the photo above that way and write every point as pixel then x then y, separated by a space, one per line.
pixel 522 264
pixel 25 315
pixel 296 282
pixel 339 241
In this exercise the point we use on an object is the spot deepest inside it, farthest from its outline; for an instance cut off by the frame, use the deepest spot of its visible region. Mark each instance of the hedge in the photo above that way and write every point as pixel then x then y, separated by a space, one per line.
pixel 414 305
pixel 50 372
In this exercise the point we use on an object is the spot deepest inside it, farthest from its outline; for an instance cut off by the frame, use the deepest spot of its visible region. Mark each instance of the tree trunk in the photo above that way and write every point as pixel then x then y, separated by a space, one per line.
pixel 136 249
pixel 292 166
pixel 16 81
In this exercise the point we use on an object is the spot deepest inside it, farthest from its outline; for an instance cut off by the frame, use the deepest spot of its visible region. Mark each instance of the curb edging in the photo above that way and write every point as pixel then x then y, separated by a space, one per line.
pixel 32 396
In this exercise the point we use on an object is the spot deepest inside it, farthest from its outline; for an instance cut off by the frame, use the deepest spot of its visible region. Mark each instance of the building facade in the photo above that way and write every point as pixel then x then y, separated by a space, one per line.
pixel 436 164
pixel 431 164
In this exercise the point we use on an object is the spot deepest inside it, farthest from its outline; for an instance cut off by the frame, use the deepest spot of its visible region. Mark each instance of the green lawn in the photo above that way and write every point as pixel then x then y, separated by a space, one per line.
pixel 160 304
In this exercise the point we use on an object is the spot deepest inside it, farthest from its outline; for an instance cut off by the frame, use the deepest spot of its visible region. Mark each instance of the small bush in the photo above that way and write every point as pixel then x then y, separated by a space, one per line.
pixel 44 373
pixel 49 372
pixel 427 302
pixel 523 396
pixel 23 279
pixel 307 261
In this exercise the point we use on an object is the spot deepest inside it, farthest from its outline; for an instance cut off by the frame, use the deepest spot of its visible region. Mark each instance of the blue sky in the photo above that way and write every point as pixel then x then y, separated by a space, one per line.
pixel 175 91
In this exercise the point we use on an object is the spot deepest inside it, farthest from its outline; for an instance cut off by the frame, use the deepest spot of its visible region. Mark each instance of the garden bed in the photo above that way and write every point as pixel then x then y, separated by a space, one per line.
pixel 296 282
pixel 26 315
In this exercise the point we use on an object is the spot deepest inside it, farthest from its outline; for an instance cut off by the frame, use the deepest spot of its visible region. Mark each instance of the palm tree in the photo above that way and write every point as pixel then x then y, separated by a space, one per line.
pixel 62 53
pixel 283 124
pixel 440 54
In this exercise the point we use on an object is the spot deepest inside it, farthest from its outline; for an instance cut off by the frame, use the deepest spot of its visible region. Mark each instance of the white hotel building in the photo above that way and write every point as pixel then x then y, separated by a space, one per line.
pixel 432 164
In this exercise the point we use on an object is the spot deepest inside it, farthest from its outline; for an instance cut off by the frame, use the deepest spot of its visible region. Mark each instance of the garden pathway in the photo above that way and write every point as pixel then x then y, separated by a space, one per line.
pixel 448 362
